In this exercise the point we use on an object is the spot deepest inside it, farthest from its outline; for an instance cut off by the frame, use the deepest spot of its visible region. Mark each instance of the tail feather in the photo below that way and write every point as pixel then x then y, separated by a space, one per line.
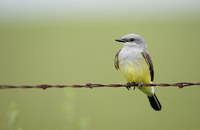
pixel 155 104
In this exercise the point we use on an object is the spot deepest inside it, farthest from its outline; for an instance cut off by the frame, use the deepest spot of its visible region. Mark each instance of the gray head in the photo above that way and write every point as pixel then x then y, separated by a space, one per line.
pixel 133 40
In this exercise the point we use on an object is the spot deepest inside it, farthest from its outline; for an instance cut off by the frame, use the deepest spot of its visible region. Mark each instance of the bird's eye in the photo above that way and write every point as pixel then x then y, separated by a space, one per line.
pixel 132 39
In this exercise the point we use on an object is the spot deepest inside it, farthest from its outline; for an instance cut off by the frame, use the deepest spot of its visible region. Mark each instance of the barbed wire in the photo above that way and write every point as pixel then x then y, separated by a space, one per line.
pixel 90 85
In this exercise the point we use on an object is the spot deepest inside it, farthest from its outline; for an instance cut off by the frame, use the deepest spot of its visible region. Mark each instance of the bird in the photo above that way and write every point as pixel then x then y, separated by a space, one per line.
pixel 135 64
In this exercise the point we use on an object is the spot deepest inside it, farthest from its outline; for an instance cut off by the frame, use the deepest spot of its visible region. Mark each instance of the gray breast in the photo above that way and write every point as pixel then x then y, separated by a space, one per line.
pixel 130 56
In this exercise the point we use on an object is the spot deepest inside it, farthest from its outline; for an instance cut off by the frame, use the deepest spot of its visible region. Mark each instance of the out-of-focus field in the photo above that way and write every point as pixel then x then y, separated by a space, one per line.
pixel 79 53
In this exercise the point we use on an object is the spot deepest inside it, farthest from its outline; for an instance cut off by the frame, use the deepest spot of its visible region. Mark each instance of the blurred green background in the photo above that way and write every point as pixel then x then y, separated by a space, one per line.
pixel 72 42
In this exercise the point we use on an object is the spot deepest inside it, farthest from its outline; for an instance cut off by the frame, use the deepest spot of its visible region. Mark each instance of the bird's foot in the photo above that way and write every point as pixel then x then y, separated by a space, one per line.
pixel 134 86
pixel 140 85
pixel 128 85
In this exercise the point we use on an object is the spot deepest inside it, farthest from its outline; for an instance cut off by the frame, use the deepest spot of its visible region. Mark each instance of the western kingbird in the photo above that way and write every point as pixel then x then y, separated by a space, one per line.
pixel 135 64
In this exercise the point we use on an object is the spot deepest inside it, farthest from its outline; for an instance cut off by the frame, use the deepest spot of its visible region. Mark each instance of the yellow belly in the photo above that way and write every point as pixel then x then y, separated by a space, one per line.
pixel 136 72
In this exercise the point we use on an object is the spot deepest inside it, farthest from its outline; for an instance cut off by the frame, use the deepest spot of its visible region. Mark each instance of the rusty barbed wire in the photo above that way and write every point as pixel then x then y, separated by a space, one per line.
pixel 90 85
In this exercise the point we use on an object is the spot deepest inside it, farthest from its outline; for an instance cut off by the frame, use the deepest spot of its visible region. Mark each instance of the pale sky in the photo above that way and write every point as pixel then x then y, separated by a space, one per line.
pixel 13 9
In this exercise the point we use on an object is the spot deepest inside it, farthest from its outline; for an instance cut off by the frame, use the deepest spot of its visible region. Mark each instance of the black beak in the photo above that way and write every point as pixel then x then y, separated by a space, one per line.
pixel 120 40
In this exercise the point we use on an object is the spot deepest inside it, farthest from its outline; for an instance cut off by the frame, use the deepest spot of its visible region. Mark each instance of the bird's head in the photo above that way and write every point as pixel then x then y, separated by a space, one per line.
pixel 133 40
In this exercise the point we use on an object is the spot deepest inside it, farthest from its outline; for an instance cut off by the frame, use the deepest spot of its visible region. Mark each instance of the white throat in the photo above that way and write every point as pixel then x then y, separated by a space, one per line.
pixel 134 45
pixel 130 44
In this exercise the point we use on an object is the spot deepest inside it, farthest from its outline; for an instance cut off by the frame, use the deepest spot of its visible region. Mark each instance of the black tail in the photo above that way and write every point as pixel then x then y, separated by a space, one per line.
pixel 155 104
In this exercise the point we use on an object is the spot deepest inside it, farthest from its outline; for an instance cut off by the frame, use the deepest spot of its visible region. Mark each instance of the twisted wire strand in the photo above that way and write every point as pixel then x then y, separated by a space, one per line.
pixel 90 85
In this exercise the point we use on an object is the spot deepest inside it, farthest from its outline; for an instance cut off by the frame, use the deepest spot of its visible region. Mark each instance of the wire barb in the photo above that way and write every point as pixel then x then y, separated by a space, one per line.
pixel 90 85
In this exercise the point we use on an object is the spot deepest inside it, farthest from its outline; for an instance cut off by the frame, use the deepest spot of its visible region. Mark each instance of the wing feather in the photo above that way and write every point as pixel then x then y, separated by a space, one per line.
pixel 116 62
pixel 147 57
